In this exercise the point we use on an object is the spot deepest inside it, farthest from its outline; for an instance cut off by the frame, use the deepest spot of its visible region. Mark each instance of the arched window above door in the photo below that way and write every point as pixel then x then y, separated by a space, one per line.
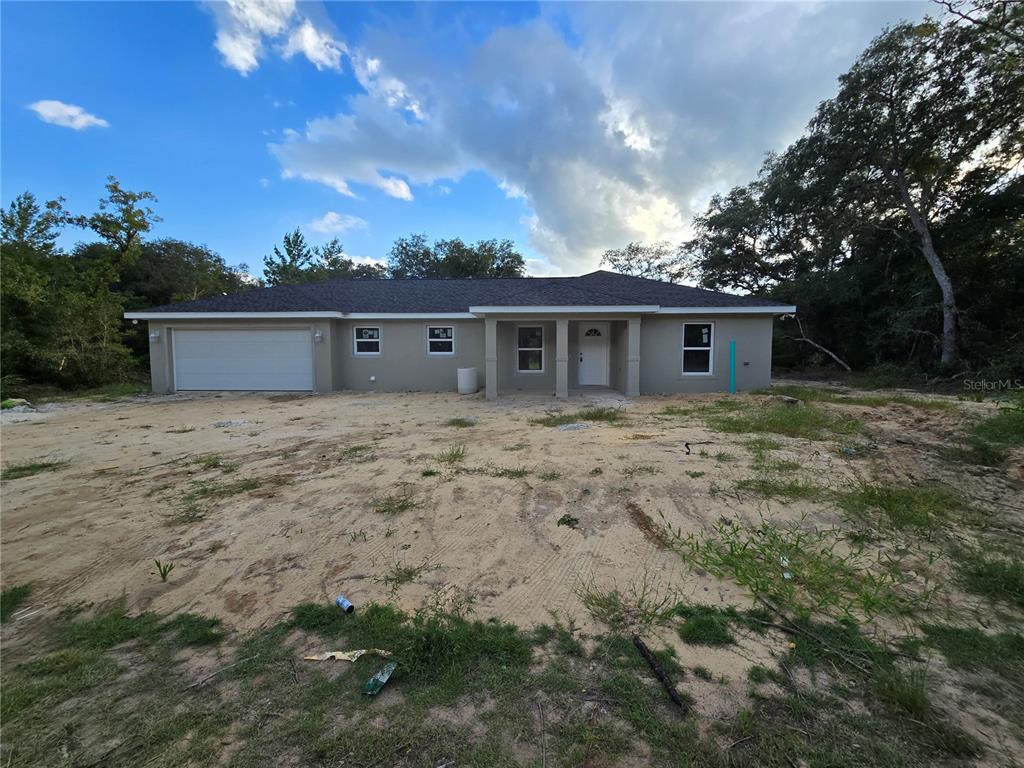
pixel 592 332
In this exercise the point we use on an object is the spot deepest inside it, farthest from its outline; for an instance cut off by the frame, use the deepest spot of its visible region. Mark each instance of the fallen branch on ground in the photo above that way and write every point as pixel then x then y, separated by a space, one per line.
pixel 660 673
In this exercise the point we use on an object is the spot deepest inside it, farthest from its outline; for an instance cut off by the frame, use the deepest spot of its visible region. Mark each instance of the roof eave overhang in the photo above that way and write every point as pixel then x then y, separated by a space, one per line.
pixel 766 310
pixel 575 309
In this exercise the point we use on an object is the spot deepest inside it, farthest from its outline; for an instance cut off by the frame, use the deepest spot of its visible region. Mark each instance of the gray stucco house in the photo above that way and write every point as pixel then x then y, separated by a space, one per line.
pixel 546 334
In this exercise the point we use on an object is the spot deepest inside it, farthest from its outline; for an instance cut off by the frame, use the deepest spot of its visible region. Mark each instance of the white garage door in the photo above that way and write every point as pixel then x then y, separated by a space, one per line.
pixel 262 360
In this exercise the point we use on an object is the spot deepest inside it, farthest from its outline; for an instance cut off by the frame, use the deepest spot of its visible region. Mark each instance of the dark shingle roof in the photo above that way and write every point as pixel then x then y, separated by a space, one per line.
pixel 458 295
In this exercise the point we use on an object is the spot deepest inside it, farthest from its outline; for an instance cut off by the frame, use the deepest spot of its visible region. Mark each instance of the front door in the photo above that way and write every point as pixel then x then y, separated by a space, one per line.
pixel 593 354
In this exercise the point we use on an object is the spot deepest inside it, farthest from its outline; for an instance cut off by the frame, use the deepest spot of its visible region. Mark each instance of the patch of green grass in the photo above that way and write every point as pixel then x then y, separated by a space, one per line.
pixel 705 625
pixel 787 489
pixel 724 457
pixel 194 630
pixel 763 445
pixel 550 475
pixel 976 450
pixel 695 473
pixel 596 471
pixel 510 473
pixel 110 628
pixel 905 691
pixel 1006 426
pixel 460 423
pixel 922 508
pixel 394 504
pixel 454 454
pixel 568 520
pixel 11 599
pixel 759 675
pixel 213 461
pixel 997 578
pixel 806 421
pixel 516 447
pixel 429 472
pixel 358 454
pixel 822 395
pixel 973 649
pixel 18 471
pixel 607 415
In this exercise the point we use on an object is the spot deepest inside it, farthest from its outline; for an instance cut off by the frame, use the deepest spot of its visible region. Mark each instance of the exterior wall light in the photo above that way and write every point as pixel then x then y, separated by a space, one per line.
pixel 318 337
pixel 154 337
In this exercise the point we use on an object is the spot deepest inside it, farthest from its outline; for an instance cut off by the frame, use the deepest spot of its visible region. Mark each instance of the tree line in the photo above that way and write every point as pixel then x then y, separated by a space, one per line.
pixel 896 222
pixel 61 312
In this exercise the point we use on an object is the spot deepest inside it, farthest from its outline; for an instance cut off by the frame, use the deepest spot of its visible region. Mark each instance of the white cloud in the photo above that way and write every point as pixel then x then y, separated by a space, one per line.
pixel 336 222
pixel 264 182
pixel 245 26
pixel 619 136
pixel 66 115
pixel 317 46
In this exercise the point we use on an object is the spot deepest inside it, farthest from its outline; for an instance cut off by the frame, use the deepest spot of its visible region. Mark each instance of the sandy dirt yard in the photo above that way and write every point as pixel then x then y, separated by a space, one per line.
pixel 262 502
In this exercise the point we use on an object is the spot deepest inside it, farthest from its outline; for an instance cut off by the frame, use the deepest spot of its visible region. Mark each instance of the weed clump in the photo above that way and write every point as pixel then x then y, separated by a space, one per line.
pixel 606 415
pixel 705 625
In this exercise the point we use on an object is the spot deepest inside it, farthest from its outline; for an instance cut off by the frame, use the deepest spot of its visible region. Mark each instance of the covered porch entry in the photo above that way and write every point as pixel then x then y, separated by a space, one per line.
pixel 558 354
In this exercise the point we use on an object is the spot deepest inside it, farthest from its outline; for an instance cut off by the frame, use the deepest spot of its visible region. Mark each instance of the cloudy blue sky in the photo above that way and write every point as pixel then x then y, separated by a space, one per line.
pixel 567 128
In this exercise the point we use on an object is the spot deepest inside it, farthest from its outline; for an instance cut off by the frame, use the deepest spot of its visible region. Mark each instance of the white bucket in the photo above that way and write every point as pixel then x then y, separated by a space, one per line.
pixel 467 381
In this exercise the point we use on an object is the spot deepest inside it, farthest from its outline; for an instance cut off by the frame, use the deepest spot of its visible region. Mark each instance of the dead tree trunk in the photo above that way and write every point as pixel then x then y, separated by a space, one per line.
pixel 949 310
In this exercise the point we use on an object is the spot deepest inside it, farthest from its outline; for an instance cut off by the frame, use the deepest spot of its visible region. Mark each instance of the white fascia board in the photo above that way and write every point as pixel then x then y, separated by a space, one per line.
pixel 408 316
pixel 569 310
pixel 766 310
pixel 227 315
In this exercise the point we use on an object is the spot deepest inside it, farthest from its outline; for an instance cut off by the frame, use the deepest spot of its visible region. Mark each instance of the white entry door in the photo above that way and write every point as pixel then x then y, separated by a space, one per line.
pixel 593 354
pixel 261 359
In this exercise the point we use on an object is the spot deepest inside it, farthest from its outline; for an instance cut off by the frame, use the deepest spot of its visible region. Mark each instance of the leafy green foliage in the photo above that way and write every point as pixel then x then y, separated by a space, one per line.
pixel 414 256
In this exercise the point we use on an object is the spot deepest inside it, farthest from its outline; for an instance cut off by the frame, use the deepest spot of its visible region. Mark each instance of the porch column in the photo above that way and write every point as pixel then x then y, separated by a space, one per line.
pixel 561 358
pixel 633 357
pixel 491 358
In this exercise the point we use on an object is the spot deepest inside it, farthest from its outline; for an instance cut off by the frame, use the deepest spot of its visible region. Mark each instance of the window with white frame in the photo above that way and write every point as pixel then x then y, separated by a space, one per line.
pixel 530 349
pixel 698 348
pixel 366 340
pixel 440 340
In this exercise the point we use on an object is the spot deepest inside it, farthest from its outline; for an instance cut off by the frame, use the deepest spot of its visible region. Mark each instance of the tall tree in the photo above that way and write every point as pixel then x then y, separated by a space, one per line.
pixel 924 110
pixel 299 263
pixel 656 261
pixel 415 257
pixel 121 221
